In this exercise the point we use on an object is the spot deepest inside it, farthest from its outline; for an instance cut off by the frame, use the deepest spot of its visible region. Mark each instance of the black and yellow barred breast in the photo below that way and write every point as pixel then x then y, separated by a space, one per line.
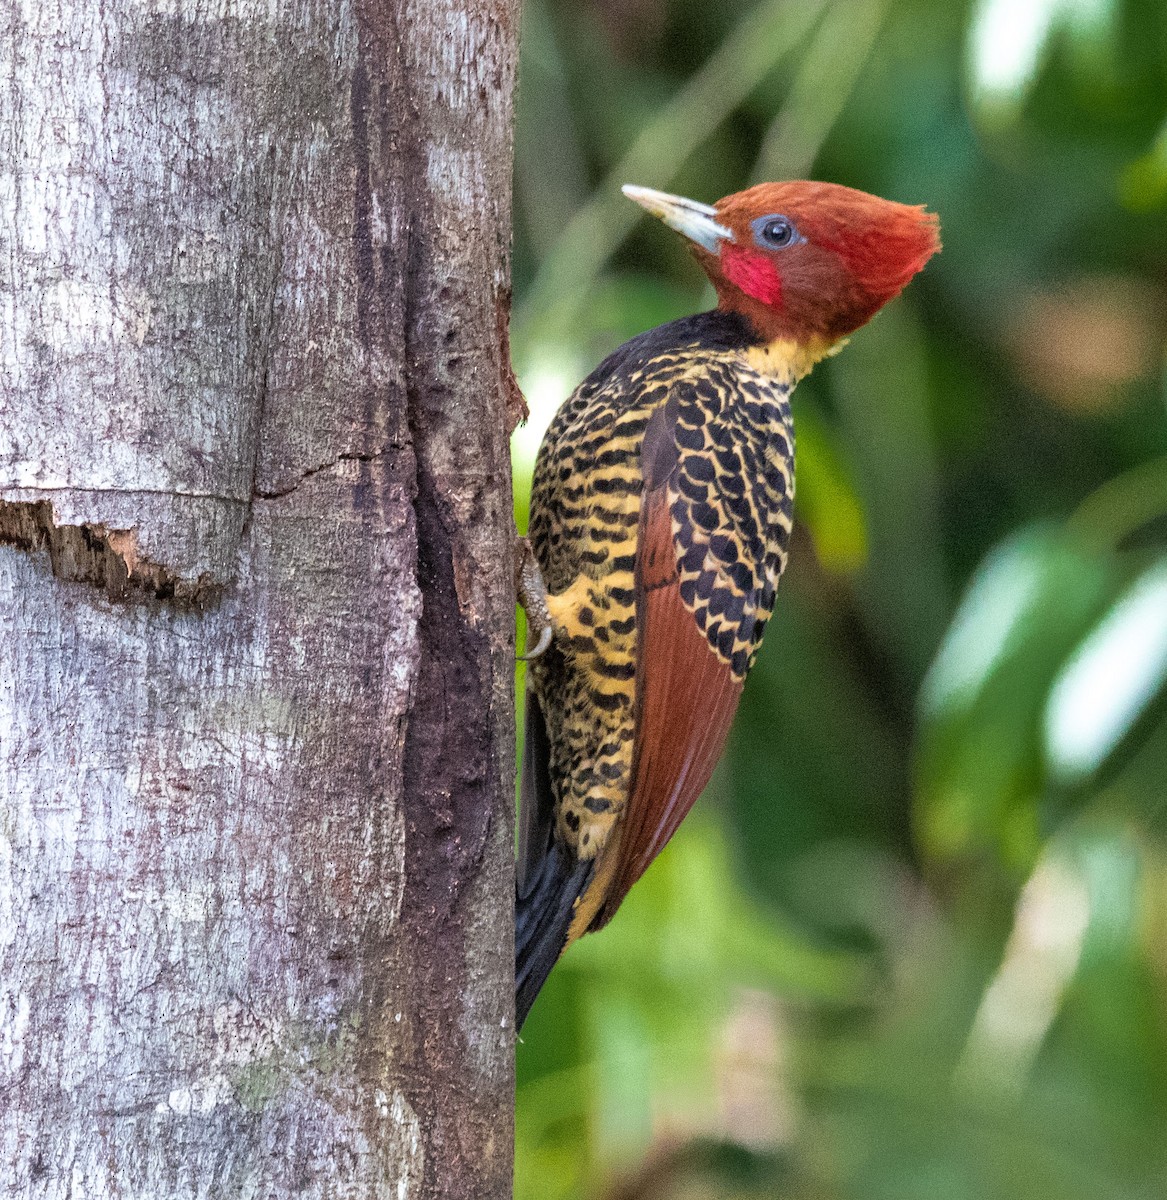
pixel 724 402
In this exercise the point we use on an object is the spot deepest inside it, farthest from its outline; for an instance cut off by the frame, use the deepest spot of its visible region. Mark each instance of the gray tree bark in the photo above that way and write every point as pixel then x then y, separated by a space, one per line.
pixel 256 607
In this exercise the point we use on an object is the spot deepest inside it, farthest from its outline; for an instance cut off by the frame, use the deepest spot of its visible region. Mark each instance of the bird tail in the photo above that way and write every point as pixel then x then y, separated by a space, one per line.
pixel 543 912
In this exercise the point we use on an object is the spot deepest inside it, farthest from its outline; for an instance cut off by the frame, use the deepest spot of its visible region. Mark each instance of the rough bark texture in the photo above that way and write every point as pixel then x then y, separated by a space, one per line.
pixel 255 598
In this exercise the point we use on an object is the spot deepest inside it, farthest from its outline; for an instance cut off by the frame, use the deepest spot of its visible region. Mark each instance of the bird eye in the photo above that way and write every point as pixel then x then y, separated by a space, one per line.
pixel 775 232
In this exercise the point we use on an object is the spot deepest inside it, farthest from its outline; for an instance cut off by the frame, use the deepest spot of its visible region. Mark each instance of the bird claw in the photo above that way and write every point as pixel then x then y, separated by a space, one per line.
pixel 541 645
pixel 532 595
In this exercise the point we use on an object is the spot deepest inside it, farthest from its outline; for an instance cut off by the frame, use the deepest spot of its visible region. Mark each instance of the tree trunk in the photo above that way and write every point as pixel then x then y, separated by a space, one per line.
pixel 256 607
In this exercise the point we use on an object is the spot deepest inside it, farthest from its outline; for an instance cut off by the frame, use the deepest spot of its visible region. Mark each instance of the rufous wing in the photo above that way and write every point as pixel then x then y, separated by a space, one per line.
pixel 686 700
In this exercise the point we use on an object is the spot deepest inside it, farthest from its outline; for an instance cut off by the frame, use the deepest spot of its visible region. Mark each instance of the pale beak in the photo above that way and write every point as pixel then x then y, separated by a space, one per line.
pixel 695 220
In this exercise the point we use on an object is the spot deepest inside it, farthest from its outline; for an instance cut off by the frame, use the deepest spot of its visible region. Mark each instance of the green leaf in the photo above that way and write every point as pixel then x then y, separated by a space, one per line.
pixel 980 766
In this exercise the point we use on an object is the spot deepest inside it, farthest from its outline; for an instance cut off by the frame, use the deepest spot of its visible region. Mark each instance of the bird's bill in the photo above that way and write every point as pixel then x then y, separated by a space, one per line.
pixel 695 220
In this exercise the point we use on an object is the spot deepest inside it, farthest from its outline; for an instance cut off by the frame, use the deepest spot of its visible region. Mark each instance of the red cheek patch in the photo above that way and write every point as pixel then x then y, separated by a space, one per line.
pixel 752 273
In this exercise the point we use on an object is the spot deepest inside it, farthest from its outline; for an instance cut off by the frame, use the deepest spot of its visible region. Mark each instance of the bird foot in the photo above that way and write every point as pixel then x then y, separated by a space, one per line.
pixel 532 595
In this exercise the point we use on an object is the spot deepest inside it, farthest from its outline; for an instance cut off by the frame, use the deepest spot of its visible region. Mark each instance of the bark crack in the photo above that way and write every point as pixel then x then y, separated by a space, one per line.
pixel 169 493
pixel 280 493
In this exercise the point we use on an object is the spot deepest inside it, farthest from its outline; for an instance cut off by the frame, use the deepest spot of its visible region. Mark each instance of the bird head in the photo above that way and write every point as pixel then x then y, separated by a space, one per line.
pixel 806 262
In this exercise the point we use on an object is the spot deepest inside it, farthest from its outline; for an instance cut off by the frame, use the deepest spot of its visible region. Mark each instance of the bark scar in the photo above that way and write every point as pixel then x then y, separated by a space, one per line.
pixel 95 554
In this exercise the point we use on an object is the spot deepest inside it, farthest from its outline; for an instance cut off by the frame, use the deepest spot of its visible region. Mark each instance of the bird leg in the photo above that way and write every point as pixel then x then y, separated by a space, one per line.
pixel 532 595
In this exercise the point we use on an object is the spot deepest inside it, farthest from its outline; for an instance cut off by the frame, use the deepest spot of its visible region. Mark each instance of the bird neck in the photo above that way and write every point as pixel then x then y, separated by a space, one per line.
pixel 787 360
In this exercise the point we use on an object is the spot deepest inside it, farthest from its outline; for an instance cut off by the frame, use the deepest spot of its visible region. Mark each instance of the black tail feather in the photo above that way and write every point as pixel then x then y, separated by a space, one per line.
pixel 542 918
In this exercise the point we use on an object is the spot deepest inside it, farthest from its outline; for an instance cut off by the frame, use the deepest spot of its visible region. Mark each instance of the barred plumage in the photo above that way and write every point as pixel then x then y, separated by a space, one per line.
pixel 731 513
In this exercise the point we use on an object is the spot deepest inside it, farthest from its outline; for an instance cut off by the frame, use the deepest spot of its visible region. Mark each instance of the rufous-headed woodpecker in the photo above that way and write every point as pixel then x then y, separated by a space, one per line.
pixel 659 526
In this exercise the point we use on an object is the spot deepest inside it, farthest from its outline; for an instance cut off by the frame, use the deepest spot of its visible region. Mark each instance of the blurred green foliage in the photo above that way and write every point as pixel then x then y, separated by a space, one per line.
pixel 913 940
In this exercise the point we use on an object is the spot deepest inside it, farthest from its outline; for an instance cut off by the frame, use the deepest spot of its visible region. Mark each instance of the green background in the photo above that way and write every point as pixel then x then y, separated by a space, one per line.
pixel 912 943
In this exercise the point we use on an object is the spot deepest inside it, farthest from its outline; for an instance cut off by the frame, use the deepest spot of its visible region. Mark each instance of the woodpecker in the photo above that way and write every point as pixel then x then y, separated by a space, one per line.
pixel 660 519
